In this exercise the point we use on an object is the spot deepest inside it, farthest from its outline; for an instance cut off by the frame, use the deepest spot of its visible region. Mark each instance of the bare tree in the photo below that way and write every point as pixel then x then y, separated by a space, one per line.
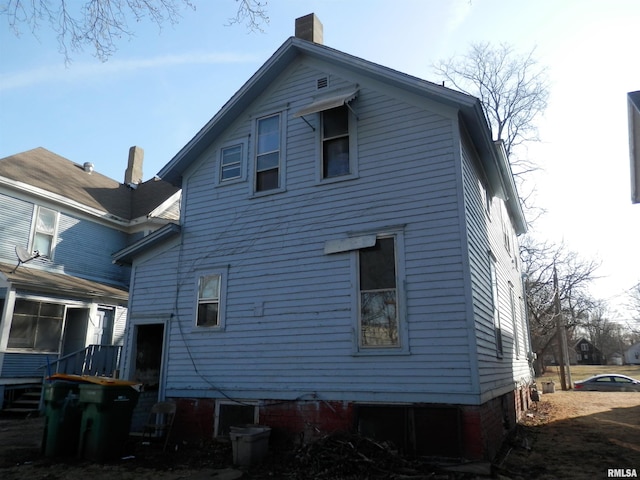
pixel 607 335
pixel 634 296
pixel 99 24
pixel 634 308
pixel 513 89
pixel 574 277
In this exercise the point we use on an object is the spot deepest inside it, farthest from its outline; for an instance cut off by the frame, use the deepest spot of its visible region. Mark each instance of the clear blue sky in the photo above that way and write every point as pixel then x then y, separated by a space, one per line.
pixel 161 87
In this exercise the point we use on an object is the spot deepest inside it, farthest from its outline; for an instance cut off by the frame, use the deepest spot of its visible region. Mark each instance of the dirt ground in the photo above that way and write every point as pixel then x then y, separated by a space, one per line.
pixel 570 436
pixel 576 436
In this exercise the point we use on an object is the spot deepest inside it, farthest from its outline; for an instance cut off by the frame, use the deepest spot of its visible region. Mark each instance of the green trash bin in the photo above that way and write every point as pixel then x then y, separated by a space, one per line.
pixel 62 422
pixel 106 418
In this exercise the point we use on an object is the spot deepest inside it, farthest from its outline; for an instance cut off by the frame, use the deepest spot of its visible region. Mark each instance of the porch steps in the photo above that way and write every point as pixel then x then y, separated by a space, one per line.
pixel 27 403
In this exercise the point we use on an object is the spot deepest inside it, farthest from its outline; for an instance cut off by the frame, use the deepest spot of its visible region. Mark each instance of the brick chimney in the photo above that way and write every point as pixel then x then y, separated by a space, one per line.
pixel 133 173
pixel 309 28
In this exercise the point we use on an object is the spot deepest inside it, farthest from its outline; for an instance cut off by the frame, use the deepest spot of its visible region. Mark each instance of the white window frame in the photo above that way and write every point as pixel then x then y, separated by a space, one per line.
pixel 353 149
pixel 403 341
pixel 221 273
pixel 281 151
pixel 495 305
pixel 514 318
pixel 241 163
pixel 484 197
pixel 36 231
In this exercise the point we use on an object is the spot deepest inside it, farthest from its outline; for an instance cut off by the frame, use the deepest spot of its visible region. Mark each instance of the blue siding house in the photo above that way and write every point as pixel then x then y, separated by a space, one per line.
pixel 347 260
pixel 63 300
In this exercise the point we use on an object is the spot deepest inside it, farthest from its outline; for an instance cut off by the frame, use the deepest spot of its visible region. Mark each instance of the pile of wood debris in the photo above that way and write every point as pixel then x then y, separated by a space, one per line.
pixel 353 457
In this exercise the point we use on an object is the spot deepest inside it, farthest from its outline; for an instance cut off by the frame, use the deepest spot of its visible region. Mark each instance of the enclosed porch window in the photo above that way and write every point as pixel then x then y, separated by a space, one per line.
pixel 36 326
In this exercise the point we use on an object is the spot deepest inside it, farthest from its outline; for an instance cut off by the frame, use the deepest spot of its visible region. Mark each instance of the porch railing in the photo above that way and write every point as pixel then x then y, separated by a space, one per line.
pixel 100 360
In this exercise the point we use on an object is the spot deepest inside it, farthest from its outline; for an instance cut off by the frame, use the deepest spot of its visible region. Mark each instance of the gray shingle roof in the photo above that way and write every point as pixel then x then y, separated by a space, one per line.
pixel 52 173
pixel 58 283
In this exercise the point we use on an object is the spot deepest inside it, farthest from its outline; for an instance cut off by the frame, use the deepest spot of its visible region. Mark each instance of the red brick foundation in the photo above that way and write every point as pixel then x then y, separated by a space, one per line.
pixel 194 419
pixel 481 430
pixel 304 421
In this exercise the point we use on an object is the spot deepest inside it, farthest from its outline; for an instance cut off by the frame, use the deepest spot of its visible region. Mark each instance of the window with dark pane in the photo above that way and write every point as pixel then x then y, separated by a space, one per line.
pixel 378 295
pixel 36 326
pixel 335 142
pixel 496 311
pixel 208 301
pixel 268 154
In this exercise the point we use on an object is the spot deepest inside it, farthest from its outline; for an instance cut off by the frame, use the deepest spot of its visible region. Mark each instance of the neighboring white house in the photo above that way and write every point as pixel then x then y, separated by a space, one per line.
pixel 63 302
pixel 347 259
pixel 632 355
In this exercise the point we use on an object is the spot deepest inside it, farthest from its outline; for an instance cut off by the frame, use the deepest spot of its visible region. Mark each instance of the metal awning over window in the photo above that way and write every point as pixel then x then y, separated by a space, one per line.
pixel 349 244
pixel 320 104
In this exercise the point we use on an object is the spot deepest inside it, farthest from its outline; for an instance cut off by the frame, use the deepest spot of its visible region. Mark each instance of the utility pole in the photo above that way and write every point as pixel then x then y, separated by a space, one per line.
pixel 565 368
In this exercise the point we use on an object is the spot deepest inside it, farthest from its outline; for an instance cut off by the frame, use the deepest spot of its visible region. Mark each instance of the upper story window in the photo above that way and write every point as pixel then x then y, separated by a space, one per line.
pixel 46 222
pixel 210 305
pixel 231 163
pixel 335 129
pixel 335 142
pixel 268 153
pixel 485 198
pixel 495 305
pixel 514 319
pixel 208 301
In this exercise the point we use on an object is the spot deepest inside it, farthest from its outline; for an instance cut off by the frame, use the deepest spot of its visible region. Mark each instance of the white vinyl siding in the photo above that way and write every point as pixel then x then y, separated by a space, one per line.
pixel 486 233
pixel 291 305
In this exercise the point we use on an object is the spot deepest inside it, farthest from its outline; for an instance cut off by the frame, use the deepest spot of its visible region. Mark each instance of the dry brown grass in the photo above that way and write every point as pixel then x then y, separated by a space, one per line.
pixel 580 372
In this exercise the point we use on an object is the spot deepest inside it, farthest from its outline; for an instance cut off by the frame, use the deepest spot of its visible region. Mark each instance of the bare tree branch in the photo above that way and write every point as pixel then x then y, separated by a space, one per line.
pixel 252 13
pixel 513 89
pixel 100 24
pixel 575 275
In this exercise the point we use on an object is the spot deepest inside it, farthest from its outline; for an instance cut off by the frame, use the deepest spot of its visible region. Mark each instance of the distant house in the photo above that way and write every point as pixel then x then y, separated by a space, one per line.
pixel 632 355
pixel 63 301
pixel 347 259
pixel 615 359
pixel 587 353
pixel 633 102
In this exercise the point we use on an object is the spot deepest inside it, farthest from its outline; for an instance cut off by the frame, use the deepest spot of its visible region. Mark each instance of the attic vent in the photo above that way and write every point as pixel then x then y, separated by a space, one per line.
pixel 322 82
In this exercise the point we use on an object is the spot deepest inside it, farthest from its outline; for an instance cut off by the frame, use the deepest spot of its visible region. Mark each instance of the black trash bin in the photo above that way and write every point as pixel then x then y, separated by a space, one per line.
pixel 63 416
pixel 106 418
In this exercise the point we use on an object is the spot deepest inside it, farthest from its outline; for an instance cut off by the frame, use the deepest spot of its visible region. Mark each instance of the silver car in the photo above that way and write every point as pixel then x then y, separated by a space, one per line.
pixel 609 383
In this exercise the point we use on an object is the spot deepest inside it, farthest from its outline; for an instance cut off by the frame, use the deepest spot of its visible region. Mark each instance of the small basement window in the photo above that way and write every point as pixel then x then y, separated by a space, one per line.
pixel 232 414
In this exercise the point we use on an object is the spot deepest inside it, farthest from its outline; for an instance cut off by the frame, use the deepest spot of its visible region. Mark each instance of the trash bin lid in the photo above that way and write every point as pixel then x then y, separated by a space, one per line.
pixel 106 381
